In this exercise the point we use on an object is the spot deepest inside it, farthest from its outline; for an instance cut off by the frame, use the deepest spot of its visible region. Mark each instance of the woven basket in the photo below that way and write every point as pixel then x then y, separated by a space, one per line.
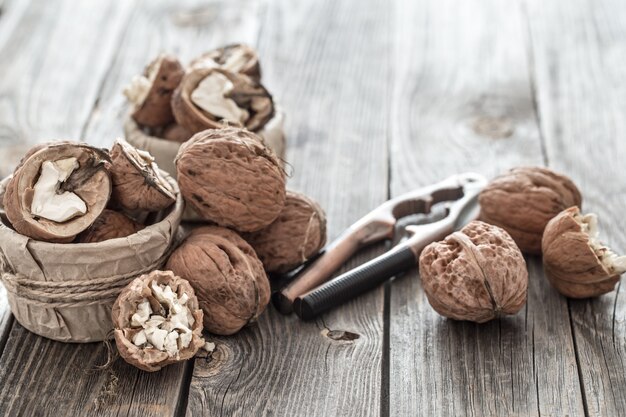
pixel 65 291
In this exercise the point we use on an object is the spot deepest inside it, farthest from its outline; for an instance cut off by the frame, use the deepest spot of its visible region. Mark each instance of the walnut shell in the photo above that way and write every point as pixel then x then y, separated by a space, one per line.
pixel 229 279
pixel 298 233
pixel 137 182
pixel 231 178
pixel 476 274
pixel 90 182
pixel 575 262
pixel 248 95
pixel 153 107
pixel 150 358
pixel 523 200
pixel 234 58
pixel 109 225
pixel 176 133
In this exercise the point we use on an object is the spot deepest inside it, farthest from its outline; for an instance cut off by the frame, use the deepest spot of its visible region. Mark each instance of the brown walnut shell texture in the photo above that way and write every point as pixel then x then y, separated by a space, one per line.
pixel 523 200
pixel 91 182
pixel 156 109
pixel 570 263
pixel 221 56
pixel 151 359
pixel 231 285
pixel 298 233
pixel 176 133
pixel 476 274
pixel 229 177
pixel 137 186
pixel 109 225
pixel 248 94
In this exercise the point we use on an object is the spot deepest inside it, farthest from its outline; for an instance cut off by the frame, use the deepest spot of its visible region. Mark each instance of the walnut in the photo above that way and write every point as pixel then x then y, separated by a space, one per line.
pixel 230 178
pixel 137 181
pixel 523 200
pixel 234 58
pixel 208 97
pixel 58 191
pixel 151 92
pixel 298 233
pixel 476 274
pixel 229 279
pixel 577 264
pixel 176 133
pixel 157 321
pixel 109 225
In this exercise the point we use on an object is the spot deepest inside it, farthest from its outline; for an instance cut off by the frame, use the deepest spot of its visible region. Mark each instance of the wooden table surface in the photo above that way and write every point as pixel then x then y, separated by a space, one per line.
pixel 381 97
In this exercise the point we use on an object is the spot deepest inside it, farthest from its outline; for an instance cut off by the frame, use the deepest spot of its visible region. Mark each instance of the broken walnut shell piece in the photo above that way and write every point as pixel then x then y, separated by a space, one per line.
pixel 207 98
pixel 476 274
pixel 109 225
pixel 176 133
pixel 576 263
pixel 237 58
pixel 157 321
pixel 58 191
pixel 151 92
pixel 231 285
pixel 229 177
pixel 137 180
pixel 297 234
pixel 523 201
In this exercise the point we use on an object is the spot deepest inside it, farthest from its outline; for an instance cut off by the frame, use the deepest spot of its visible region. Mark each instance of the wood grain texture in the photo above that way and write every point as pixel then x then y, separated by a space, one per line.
pixel 327 63
pixel 579 59
pixel 462 101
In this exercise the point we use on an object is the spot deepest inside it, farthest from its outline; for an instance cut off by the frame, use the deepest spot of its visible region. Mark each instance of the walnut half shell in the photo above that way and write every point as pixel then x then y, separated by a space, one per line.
pixel 157 321
pixel 234 58
pixel 476 274
pixel 577 264
pixel 109 225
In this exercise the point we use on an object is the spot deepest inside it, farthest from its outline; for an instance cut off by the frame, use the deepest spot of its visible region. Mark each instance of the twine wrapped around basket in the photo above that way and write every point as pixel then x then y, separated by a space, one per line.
pixel 65 291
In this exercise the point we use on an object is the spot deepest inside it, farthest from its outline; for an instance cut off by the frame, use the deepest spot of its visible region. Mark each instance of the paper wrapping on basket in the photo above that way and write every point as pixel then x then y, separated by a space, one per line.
pixel 65 291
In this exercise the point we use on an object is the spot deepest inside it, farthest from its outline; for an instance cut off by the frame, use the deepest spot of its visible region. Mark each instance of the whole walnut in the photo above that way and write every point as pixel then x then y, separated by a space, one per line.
pixel 523 200
pixel 109 225
pixel 298 233
pixel 157 321
pixel 577 264
pixel 229 279
pixel 476 274
pixel 229 177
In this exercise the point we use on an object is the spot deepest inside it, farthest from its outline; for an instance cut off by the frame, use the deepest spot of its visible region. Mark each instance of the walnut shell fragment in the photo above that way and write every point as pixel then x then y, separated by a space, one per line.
pixel 209 97
pixel 231 178
pixel 151 92
pixel 229 279
pixel 576 263
pixel 298 233
pixel 109 225
pixel 475 274
pixel 176 133
pixel 58 191
pixel 157 321
pixel 137 181
pixel 523 200
pixel 234 58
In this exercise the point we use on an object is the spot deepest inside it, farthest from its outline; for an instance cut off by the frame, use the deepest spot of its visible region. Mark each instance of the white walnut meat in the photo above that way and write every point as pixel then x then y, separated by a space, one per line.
pixel 137 181
pixel 229 177
pixel 151 92
pixel 476 274
pixel 157 321
pixel 523 200
pixel 576 263
pixel 207 98
pixel 58 191
pixel 231 285
pixel 234 58
pixel 298 233
pixel 109 225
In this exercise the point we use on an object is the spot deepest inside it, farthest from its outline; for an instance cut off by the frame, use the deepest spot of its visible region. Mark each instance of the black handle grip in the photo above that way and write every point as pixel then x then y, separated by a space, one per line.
pixel 353 283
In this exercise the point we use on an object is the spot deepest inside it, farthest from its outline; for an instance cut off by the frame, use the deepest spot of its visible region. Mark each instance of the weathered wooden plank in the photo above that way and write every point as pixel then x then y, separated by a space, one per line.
pixel 463 101
pixel 579 53
pixel 327 62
